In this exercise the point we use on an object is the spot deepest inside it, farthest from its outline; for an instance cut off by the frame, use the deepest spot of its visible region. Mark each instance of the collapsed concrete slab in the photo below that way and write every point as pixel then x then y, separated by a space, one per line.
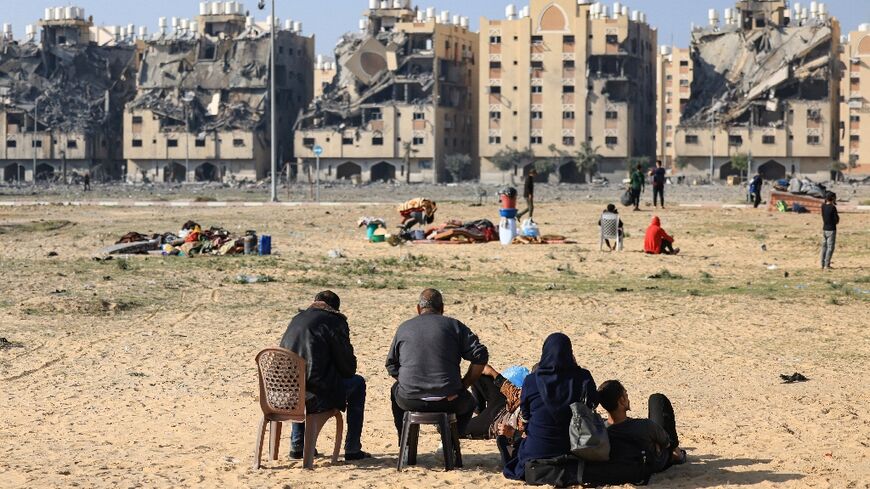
pixel 401 102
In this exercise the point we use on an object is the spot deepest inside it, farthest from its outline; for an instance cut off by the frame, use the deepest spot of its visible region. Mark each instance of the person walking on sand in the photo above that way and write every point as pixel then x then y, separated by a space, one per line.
pixel 637 184
pixel 321 336
pixel 659 176
pixel 529 194
pixel 657 241
pixel 830 219
pixel 755 189
pixel 424 359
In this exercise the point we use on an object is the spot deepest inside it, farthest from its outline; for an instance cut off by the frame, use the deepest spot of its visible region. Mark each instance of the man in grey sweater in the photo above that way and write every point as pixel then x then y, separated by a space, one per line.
pixel 425 358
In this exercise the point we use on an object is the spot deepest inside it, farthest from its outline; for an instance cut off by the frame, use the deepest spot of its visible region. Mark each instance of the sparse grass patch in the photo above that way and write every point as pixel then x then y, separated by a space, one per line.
pixel 665 274
pixel 35 227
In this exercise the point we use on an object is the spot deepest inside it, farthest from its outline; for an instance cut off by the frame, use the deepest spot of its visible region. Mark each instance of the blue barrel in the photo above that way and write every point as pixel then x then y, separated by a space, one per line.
pixel 508 213
pixel 265 245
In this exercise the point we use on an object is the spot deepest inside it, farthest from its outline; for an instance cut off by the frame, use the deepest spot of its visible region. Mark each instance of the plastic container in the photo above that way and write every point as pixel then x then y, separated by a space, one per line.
pixel 508 213
pixel 370 231
pixel 378 238
pixel 508 202
pixel 530 229
pixel 265 248
pixel 507 231
pixel 250 244
pixel 418 234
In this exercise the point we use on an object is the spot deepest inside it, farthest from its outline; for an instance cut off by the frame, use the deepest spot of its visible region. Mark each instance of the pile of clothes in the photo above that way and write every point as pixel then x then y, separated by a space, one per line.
pixel 801 187
pixel 479 231
pixel 192 240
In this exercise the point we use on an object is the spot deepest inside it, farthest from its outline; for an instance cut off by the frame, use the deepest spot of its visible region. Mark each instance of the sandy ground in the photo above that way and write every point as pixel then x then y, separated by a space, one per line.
pixel 140 372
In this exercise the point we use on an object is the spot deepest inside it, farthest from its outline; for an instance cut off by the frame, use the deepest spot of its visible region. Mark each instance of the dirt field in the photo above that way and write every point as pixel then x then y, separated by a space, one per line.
pixel 140 372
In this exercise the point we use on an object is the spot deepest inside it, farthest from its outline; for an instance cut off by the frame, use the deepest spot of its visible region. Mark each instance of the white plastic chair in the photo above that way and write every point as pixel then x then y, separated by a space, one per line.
pixel 610 230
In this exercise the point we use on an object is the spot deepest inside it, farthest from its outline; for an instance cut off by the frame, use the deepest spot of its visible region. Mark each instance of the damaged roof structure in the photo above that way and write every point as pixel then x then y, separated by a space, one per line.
pixel 202 109
pixel 401 101
pixel 766 77
pixel 62 101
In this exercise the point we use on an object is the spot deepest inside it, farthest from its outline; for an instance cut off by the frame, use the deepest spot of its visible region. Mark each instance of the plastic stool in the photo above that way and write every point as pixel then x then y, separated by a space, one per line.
pixel 446 422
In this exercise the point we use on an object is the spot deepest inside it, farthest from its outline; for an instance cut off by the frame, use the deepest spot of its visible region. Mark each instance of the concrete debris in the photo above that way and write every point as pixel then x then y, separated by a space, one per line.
pixel 736 69
pixel 384 68
pixel 206 84
pixel 78 88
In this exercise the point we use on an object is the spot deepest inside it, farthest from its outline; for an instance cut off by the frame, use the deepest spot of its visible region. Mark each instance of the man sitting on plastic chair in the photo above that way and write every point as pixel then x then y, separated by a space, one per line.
pixel 611 228
pixel 321 336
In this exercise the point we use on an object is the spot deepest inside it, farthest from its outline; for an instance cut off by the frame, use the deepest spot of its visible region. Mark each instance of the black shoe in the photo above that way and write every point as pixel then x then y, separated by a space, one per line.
pixel 298 454
pixel 360 455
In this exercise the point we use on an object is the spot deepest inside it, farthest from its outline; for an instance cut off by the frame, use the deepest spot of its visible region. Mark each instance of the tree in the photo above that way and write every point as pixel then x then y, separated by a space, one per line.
pixel 408 150
pixel 740 162
pixel 457 166
pixel 506 159
pixel 632 162
pixel 587 160
pixel 682 162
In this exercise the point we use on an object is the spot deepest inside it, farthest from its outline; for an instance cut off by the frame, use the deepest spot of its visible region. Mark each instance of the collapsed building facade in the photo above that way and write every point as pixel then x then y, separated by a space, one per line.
pixel 561 73
pixel 765 84
pixel 202 105
pixel 855 102
pixel 402 101
pixel 61 101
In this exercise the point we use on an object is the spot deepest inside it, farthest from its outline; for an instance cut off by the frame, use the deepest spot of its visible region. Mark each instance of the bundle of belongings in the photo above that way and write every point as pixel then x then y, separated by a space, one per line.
pixel 190 241
pixel 545 239
pixel 801 187
pixel 417 211
pixel 480 231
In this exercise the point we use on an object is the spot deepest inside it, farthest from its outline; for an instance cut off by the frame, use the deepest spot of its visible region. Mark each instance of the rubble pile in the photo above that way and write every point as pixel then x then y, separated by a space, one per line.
pixel 206 84
pixel 736 69
pixel 79 88
pixel 382 68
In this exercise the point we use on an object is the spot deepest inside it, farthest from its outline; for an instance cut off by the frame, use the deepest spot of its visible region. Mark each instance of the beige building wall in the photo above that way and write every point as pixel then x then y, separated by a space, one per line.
pixel 673 82
pixel 854 130
pixel 376 149
pixel 558 78
pixel 323 76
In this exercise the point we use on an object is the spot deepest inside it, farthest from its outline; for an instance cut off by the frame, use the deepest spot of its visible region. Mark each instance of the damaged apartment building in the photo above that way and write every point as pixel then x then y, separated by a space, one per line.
pixel 61 100
pixel 764 85
pixel 402 103
pixel 202 106
pixel 560 73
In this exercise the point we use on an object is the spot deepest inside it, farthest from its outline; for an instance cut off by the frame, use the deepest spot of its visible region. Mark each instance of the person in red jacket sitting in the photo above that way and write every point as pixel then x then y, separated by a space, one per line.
pixel 657 241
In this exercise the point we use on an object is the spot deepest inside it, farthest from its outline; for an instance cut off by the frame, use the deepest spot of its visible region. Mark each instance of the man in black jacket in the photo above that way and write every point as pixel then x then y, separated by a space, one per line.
pixel 321 336
pixel 830 219
pixel 424 359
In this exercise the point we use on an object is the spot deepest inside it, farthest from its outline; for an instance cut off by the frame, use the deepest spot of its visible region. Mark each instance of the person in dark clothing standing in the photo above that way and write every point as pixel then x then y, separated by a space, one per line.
pixel 424 359
pixel 529 194
pixel 830 218
pixel 659 175
pixel 637 185
pixel 321 336
pixel 87 182
pixel 656 436
pixel 755 189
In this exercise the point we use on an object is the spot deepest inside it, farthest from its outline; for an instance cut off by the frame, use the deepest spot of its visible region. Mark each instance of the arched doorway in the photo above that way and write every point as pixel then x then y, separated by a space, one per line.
pixel 44 172
pixel 543 177
pixel 383 172
pixel 727 170
pixel 349 169
pixel 772 170
pixel 206 172
pixel 174 173
pixel 13 173
pixel 568 173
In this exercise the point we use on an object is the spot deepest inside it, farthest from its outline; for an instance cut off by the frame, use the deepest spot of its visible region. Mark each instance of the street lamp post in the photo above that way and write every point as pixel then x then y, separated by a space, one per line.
pixel 33 139
pixel 272 102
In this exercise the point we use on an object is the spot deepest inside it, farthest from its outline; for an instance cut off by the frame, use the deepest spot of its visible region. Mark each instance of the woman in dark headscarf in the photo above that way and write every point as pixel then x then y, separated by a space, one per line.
pixel 545 405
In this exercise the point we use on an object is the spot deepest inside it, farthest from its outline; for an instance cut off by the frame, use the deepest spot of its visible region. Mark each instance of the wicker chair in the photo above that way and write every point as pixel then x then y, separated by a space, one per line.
pixel 282 398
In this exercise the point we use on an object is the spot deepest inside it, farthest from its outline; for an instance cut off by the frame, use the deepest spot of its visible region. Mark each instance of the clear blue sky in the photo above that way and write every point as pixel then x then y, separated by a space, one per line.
pixel 328 19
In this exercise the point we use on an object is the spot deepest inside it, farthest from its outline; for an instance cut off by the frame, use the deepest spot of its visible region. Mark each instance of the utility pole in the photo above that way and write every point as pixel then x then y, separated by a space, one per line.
pixel 712 140
pixel 273 110
pixel 33 139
